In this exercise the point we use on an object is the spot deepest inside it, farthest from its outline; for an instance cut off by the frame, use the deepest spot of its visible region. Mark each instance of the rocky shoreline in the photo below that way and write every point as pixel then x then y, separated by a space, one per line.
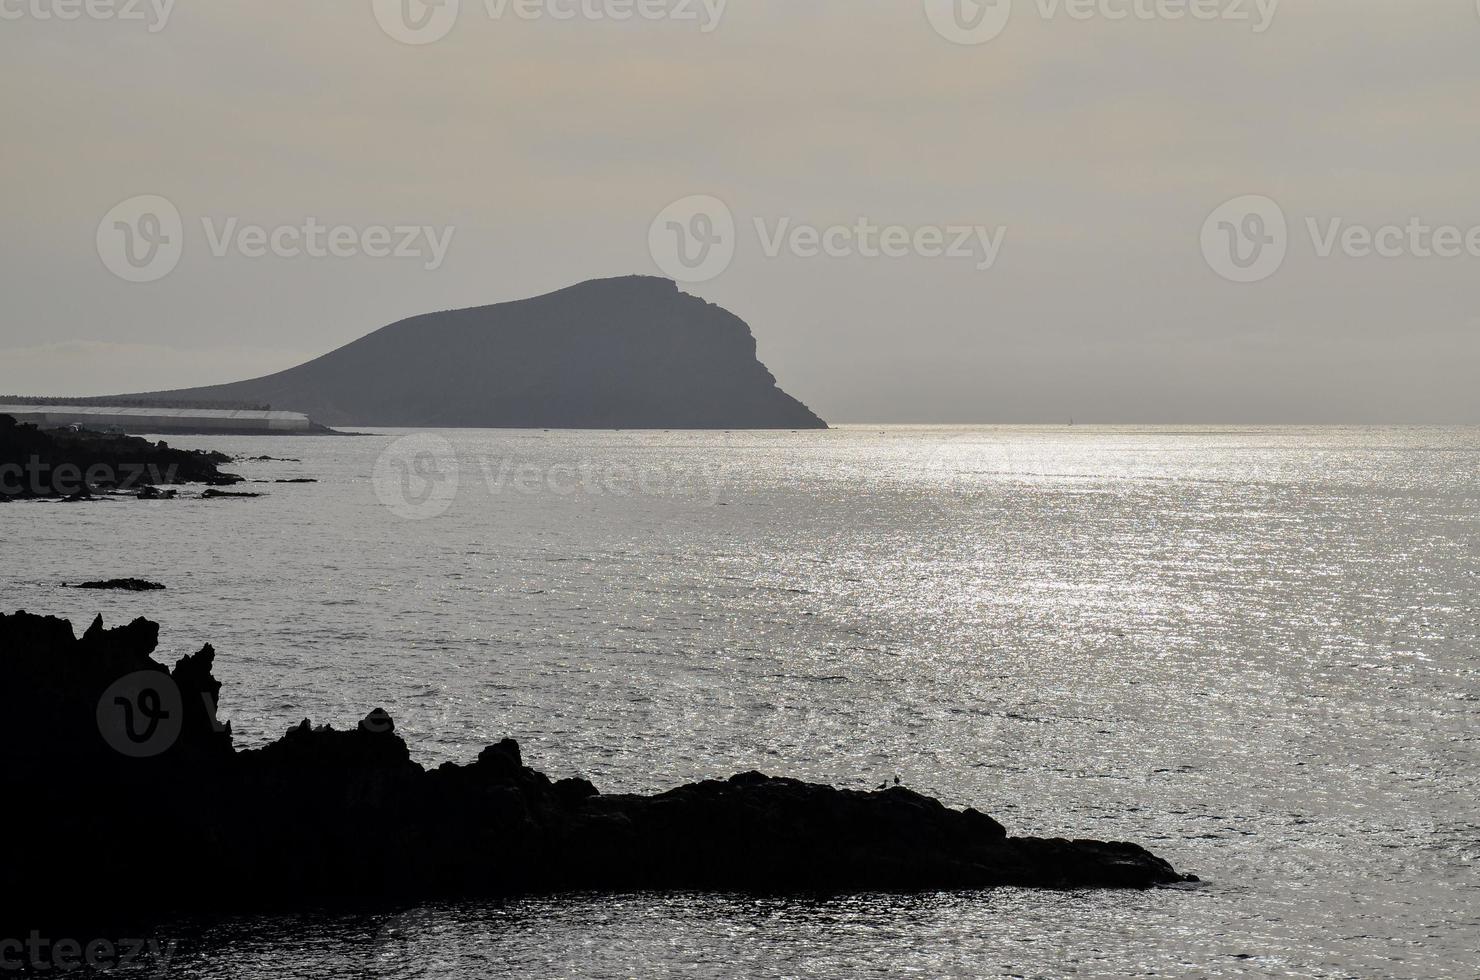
pixel 78 464
pixel 133 788
pixel 119 585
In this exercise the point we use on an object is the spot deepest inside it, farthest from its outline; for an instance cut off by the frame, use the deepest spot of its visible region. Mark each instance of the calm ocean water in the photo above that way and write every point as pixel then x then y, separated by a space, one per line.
pixel 1255 651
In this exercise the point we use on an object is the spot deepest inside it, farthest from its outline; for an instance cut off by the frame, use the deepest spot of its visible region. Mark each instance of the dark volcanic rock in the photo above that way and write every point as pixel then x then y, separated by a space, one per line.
pixel 631 353
pixel 212 494
pixel 75 465
pixel 136 799
pixel 121 584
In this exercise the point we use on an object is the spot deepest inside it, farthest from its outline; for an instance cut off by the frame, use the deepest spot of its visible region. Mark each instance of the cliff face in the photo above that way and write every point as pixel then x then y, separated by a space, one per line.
pixel 611 353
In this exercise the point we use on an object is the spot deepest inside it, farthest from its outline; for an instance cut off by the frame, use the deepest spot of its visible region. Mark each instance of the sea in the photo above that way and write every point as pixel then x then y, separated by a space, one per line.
pixel 1255 651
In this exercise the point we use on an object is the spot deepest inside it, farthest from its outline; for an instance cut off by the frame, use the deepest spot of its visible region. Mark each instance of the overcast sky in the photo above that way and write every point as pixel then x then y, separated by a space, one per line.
pixel 1092 151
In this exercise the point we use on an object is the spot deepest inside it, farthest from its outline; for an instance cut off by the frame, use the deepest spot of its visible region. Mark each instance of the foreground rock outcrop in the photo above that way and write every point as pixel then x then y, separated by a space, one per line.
pixel 628 353
pixel 78 464
pixel 133 797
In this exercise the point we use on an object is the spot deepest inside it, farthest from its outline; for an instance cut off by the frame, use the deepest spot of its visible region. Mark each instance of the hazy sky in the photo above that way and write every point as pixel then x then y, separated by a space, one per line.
pixel 1097 147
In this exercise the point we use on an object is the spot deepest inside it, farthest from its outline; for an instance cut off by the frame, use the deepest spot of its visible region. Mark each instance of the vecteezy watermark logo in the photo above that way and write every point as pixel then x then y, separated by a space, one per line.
pixel 706 13
pixel 140 715
pixel 425 21
pixel 417 21
pixel 1246 239
pixel 142 238
pixel 317 241
pixel 416 477
pixel 693 239
pixel 867 239
pixel 670 479
pixel 968 21
pixel 40 954
pixel 406 944
pixel 960 470
pixel 154 13
pixel 979 21
pixel 39 478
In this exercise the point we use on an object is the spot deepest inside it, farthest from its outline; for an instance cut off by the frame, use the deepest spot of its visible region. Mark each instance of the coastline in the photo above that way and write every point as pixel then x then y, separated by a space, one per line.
pixel 322 816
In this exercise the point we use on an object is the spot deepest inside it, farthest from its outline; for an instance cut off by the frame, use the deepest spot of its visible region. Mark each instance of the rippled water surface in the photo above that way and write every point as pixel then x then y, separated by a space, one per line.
pixel 1252 650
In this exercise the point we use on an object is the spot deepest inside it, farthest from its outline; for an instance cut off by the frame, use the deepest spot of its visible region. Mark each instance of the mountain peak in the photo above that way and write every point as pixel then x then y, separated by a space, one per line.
pixel 627 352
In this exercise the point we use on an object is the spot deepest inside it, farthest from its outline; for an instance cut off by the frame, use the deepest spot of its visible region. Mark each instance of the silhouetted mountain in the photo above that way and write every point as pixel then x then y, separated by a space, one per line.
pixel 627 353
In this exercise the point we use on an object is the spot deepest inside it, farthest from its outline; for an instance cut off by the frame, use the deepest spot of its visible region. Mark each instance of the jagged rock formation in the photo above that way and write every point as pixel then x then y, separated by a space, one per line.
pixel 121 585
pixel 135 799
pixel 67 463
pixel 630 353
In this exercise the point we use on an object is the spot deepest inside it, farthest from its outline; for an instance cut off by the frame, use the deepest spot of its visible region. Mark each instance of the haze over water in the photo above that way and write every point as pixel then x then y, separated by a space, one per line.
pixel 1252 650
